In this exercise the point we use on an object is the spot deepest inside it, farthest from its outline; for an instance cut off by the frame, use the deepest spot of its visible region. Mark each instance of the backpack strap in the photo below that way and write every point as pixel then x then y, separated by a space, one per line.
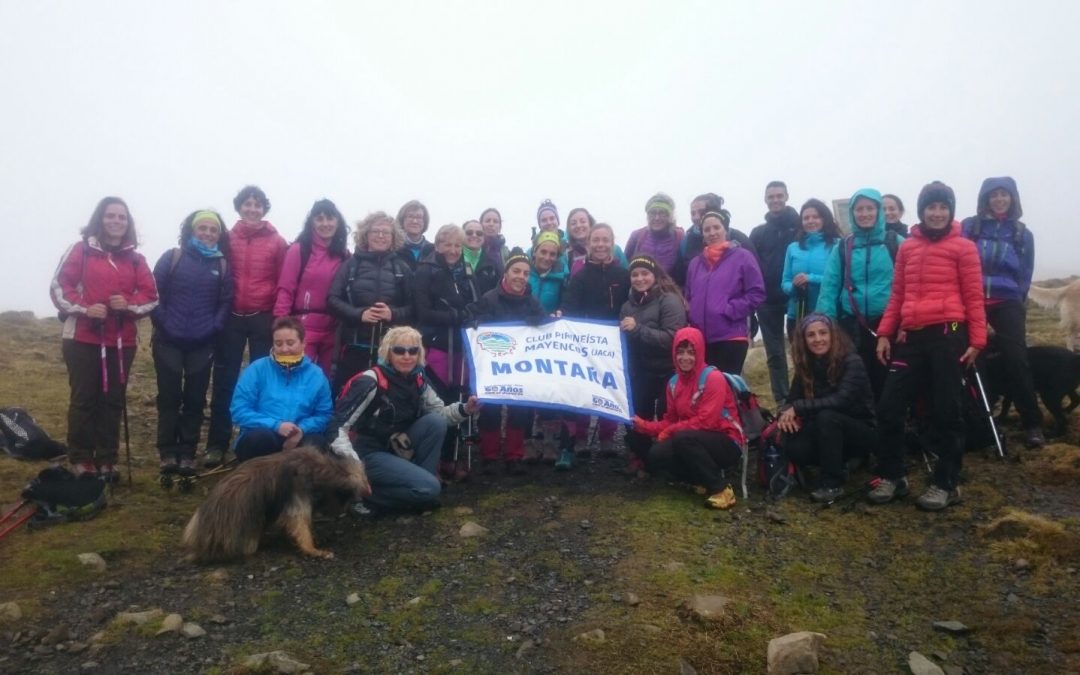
pixel 701 384
pixel 848 249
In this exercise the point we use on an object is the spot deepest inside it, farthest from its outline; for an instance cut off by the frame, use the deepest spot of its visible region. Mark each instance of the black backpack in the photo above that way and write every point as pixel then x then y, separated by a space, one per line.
pixel 22 438
pixel 62 497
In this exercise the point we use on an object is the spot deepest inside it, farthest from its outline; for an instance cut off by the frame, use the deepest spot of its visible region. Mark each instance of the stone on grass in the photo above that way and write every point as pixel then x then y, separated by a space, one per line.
pixel 55 636
pixel 192 630
pixel 415 601
pixel 525 647
pixel 171 624
pixel 471 529
pixel 10 611
pixel 594 636
pixel 93 560
pixel 685 668
pixel 138 618
pixel 954 670
pixel 794 653
pixel 89 665
pixel 217 576
pixel 462 511
pixel 672 566
pixel 953 627
pixel 352 598
pixel 277 661
pixel 632 599
pixel 920 665
pixel 706 607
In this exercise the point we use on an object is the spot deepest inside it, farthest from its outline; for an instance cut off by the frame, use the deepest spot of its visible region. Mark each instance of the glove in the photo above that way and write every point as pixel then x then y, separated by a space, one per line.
pixel 638 423
pixel 402 446
pixel 665 434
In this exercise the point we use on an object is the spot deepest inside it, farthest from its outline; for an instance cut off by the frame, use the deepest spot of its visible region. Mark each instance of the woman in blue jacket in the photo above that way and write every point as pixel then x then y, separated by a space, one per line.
pixel 282 400
pixel 805 260
pixel 195 292
pixel 858 279
pixel 548 276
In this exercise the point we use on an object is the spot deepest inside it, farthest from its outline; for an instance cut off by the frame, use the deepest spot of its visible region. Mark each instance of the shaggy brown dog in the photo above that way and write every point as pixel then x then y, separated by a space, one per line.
pixel 1066 300
pixel 279 489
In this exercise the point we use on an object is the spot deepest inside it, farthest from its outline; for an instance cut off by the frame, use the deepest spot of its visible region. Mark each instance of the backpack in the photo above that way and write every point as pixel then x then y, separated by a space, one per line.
pixel 22 437
pixel 775 472
pixel 1018 234
pixel 892 245
pixel 61 497
pixel 752 418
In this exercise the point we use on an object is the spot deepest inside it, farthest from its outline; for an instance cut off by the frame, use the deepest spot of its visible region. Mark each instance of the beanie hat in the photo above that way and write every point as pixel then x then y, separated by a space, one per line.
pixel 937 192
pixel 545 237
pixel 648 262
pixel 516 256
pixel 660 201
pixel 546 205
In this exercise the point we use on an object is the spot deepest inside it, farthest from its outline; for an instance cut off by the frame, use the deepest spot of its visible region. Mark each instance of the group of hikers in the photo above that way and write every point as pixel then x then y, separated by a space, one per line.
pixel 358 351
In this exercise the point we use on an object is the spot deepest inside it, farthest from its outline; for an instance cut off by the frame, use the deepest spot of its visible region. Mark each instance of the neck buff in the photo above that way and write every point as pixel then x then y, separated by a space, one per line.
pixel 472 257
pixel 208 251
pixel 287 361
pixel 932 234
pixel 713 252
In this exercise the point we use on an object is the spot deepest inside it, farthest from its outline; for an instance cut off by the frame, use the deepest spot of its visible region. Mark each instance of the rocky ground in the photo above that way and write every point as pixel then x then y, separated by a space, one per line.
pixel 588 571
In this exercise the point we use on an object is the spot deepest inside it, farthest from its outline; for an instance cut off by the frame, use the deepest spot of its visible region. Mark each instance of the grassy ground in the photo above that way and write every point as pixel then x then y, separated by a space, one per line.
pixel 563 552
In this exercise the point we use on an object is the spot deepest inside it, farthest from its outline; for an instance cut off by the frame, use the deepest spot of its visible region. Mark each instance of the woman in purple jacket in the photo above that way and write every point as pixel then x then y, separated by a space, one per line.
pixel 195 291
pixel 723 288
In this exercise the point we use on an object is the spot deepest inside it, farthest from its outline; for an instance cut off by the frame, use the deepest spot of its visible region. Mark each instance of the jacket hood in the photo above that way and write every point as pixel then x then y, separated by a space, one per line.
pixel 878 230
pixel 695 338
pixel 993 183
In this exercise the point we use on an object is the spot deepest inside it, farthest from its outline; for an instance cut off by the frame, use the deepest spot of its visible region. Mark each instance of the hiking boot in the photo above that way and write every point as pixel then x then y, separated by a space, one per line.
pixel 187 467
pixel 168 466
pixel 1033 438
pixel 213 458
pixel 109 473
pixel 724 499
pixel 826 495
pixel 85 470
pixel 936 498
pixel 887 490
pixel 607 449
pixel 565 461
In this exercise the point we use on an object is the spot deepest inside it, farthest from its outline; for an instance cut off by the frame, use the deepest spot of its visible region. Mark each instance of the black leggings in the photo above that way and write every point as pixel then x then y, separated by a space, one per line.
pixel 727 355
pixel 828 439
pixel 697 457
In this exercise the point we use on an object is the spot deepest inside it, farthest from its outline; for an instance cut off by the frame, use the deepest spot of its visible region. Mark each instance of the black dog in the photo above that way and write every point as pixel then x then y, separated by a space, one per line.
pixel 1055 372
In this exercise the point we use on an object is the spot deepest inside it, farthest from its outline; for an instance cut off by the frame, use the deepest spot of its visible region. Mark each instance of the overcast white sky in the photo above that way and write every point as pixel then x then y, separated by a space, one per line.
pixel 174 106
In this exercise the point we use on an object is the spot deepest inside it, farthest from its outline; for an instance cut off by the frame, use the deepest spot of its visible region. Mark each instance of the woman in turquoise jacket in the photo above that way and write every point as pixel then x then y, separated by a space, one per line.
pixel 804 262
pixel 548 276
pixel 858 279
pixel 282 400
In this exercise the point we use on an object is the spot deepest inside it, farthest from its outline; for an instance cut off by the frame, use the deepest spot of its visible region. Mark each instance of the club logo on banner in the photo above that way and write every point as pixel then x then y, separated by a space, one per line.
pixel 568 364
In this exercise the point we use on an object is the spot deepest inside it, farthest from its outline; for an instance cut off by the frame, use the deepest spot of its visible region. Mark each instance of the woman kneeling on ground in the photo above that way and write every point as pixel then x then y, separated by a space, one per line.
pixel 398 422
pixel 698 438
pixel 829 417
pixel 282 400
pixel 933 328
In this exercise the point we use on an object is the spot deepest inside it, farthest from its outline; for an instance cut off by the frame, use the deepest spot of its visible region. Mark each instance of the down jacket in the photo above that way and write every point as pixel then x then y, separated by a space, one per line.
pixel 851 395
pixel 713 410
pixel 658 317
pixel 598 291
pixel 936 282
pixel 255 257
pixel 88 275
pixel 195 299
pixel 364 279
pixel 268 394
pixel 441 300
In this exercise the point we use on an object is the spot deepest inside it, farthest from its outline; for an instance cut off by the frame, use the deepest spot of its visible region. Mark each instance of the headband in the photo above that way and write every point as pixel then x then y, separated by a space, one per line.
pixel 206 215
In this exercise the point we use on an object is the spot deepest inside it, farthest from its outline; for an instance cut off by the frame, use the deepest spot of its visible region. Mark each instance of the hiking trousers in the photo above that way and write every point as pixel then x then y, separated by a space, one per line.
pixel 1009 321
pixel 183 378
pixel 261 441
pixel 401 484
pixel 650 402
pixel 697 457
pixel 252 331
pixel 927 364
pixel 94 415
pixel 771 319
pixel 828 439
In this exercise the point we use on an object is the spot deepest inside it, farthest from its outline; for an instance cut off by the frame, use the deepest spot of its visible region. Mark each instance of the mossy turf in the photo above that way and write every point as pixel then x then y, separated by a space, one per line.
pixel 568 548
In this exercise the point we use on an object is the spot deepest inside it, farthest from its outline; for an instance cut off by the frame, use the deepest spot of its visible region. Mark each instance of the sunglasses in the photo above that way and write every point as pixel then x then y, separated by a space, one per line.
pixel 402 351
pixel 474 233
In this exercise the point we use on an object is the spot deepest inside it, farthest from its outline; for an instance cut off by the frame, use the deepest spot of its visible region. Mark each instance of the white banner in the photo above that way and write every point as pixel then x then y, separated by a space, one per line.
pixel 568 364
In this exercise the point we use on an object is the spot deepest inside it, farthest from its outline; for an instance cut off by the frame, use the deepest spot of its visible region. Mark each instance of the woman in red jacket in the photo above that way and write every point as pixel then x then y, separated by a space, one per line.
pixel 309 268
pixel 256 252
pixel 933 328
pixel 699 436
pixel 101 287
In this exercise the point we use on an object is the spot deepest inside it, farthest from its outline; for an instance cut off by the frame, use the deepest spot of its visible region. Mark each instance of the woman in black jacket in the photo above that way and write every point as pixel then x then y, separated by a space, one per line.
pixel 371 292
pixel 444 286
pixel 650 317
pixel 829 417
pixel 597 292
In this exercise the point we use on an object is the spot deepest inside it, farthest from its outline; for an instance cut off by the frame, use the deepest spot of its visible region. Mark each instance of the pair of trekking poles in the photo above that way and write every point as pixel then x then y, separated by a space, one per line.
pixel 122 377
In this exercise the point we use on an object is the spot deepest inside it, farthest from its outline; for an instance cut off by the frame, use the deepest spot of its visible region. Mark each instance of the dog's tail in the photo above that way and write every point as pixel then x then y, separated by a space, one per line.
pixel 229 524
pixel 1047 298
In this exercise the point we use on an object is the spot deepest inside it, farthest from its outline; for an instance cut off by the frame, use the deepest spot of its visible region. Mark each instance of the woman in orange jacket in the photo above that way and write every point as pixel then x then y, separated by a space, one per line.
pixel 933 328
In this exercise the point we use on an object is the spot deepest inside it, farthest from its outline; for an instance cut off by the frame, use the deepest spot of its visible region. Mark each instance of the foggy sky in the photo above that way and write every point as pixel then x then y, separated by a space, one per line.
pixel 465 105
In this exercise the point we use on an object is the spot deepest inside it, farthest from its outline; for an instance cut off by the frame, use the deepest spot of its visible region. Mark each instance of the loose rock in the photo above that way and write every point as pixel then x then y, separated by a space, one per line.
pixel 171 624
pixel 953 627
pixel 463 511
pixel 920 665
pixel 217 576
pixel 775 516
pixel 89 665
pixel 794 653
pixel 954 670
pixel 594 636
pixel 672 566
pixel 632 599
pixel 10 611
pixel 55 636
pixel 706 607
pixel 278 661
pixel 192 631
pixel 93 560
pixel 471 529
pixel 352 598
pixel 685 668
pixel 525 647
pixel 138 618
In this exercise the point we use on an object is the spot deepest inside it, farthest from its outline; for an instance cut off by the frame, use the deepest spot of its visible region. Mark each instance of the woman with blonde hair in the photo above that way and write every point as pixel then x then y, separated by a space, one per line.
pixel 397 423
pixel 371 292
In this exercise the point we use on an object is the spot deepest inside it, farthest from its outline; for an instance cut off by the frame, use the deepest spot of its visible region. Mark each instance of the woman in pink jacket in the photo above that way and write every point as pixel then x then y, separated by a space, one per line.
pixel 310 265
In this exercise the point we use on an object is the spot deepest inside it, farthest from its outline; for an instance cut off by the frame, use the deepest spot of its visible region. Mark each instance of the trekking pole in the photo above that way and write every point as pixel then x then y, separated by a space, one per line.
pixel 123 392
pixel 104 359
pixel 18 521
pixel 989 412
